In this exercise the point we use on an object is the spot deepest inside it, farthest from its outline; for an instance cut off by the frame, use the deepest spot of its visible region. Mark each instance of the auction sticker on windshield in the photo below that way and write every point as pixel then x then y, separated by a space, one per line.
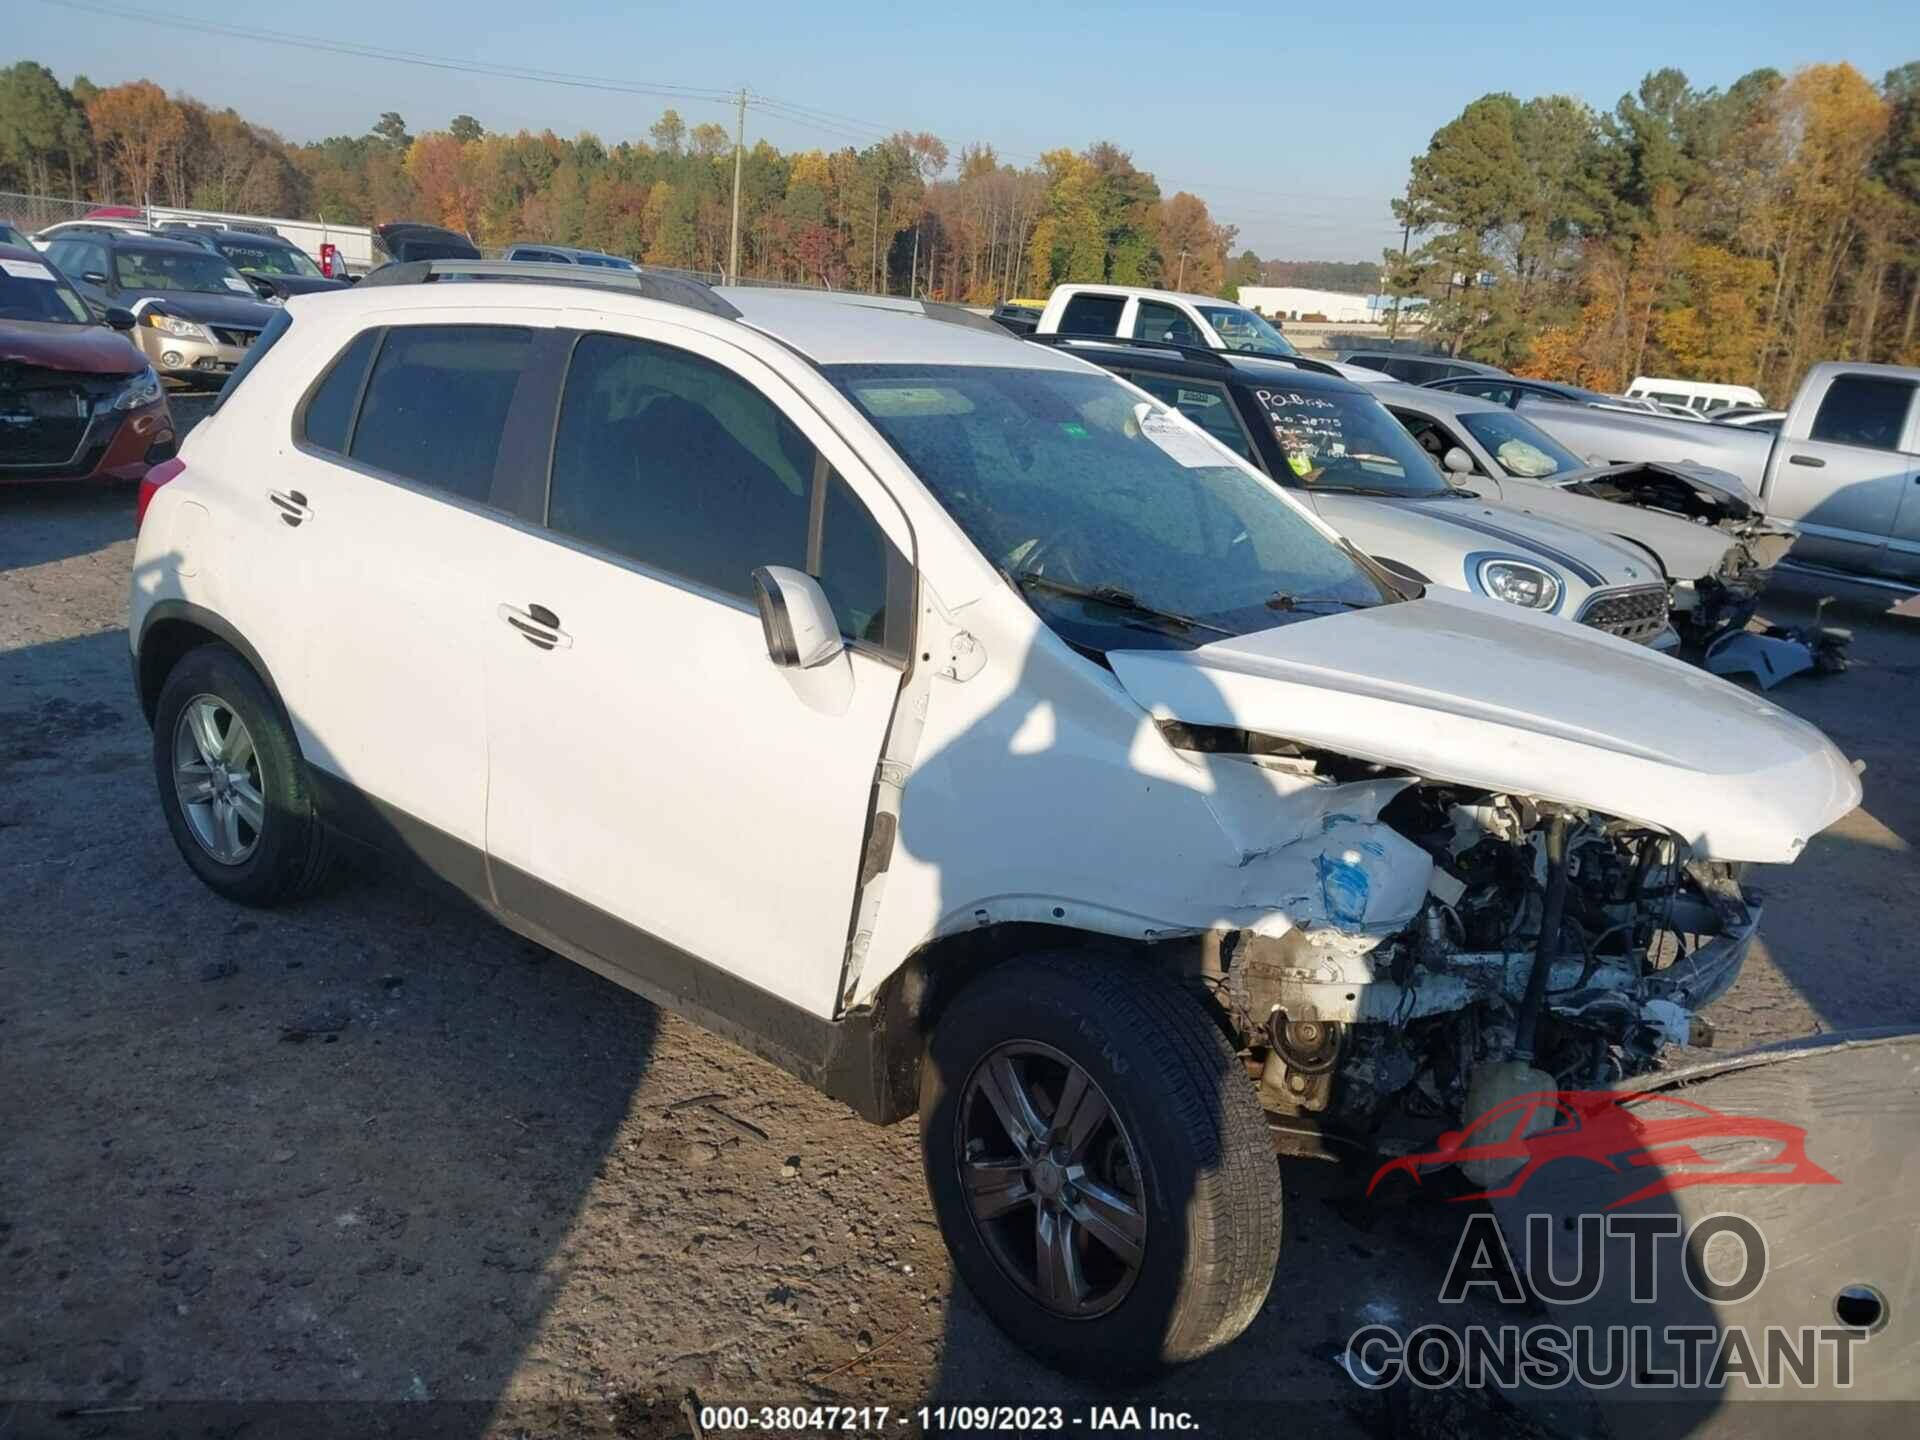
pixel 1181 442
pixel 26 270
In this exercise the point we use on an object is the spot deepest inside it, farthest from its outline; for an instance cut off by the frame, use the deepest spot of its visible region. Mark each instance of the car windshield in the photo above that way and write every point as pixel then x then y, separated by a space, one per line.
pixel 250 259
pixel 1123 524
pixel 33 290
pixel 1345 440
pixel 1519 446
pixel 607 262
pixel 1241 329
pixel 198 271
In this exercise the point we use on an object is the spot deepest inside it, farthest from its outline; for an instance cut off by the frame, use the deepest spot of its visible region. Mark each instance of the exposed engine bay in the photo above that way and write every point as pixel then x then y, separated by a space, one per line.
pixel 1693 492
pixel 1459 930
pixel 1725 600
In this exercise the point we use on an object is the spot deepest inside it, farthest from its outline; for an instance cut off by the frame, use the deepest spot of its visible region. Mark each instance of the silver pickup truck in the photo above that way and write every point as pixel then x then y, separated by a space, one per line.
pixel 1844 468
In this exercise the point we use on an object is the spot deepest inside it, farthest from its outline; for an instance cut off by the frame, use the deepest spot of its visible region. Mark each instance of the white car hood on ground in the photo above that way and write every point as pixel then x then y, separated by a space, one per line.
pixel 1455 688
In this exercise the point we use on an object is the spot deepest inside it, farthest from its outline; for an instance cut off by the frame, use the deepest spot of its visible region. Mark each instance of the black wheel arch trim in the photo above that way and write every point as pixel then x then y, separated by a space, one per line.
pixel 183 611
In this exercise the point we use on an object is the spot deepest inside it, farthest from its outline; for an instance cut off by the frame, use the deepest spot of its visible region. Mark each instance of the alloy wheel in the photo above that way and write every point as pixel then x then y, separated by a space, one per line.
pixel 216 778
pixel 1052 1179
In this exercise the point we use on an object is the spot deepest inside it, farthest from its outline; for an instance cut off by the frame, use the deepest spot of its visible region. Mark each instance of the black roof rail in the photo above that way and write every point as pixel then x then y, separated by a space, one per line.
pixel 1203 354
pixel 670 289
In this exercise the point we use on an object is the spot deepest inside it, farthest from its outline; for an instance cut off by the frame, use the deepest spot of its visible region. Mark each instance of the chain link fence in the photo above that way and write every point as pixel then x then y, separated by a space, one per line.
pixel 28 213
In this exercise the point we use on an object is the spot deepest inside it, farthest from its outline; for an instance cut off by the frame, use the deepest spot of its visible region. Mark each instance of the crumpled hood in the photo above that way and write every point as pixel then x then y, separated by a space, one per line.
pixel 1687 549
pixel 1456 688
pixel 1697 491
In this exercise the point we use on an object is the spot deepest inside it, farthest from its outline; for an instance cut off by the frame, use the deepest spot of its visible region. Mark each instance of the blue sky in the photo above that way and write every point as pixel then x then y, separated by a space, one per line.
pixel 1295 123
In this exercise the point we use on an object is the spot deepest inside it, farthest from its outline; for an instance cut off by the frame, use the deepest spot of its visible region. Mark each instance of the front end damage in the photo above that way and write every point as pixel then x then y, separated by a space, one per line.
pixel 1723 600
pixel 1471 846
pixel 1399 965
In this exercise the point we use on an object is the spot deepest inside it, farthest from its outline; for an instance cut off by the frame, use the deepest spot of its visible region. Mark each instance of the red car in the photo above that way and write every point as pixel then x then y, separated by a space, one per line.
pixel 1684 1143
pixel 77 400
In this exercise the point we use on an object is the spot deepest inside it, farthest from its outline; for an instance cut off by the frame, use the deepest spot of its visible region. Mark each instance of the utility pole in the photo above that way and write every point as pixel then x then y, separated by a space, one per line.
pixel 739 150
pixel 1393 320
pixel 1181 283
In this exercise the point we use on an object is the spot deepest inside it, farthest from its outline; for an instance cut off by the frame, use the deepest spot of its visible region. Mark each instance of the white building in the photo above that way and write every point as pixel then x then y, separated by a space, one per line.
pixel 1291 302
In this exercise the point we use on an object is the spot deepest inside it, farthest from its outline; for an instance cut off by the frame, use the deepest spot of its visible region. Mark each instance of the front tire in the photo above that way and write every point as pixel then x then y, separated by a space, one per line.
pixel 1099 1164
pixel 232 784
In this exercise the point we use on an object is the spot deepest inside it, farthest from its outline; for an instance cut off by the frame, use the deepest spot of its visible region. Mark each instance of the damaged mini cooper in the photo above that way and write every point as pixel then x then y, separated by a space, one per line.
pixel 951 723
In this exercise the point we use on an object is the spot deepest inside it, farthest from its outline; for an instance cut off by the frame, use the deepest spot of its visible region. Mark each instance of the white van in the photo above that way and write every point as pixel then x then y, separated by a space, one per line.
pixel 1697 395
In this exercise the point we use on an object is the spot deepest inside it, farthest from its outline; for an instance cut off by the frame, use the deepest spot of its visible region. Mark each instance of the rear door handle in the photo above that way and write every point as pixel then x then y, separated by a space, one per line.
pixel 1811 460
pixel 291 504
pixel 537 625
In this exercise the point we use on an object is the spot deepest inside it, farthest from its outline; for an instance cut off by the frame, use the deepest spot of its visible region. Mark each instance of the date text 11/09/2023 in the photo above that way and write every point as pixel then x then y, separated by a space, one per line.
pixel 994 1419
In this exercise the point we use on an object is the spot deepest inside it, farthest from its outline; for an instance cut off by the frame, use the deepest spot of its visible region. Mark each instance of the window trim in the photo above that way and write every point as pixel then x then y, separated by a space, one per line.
pixel 488 508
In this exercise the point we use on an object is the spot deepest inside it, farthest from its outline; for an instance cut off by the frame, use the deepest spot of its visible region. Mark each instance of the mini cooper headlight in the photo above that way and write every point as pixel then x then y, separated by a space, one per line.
pixel 1519 583
pixel 174 325
pixel 142 389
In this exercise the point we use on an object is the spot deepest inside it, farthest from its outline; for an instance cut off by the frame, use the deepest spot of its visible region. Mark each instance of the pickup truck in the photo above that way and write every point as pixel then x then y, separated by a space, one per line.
pixel 1200 321
pixel 1844 467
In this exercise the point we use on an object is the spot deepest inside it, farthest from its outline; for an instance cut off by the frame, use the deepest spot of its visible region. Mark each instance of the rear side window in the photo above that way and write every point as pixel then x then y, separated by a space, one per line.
pixel 1092 315
pixel 329 418
pixel 1207 405
pixel 1863 410
pixel 269 337
pixel 436 404
pixel 1415 372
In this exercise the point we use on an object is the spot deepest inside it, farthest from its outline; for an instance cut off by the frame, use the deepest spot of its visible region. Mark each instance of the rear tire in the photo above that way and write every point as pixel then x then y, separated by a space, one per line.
pixel 232 784
pixel 1179 1158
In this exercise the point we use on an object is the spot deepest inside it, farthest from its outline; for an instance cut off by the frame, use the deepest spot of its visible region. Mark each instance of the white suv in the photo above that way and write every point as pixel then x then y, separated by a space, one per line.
pixel 948 721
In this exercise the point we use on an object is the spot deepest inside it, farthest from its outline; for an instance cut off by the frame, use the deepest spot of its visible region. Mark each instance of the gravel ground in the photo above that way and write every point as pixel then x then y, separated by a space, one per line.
pixel 376 1152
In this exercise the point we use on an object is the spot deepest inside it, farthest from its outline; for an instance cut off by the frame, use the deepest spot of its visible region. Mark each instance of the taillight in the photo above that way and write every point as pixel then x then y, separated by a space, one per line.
pixel 155 477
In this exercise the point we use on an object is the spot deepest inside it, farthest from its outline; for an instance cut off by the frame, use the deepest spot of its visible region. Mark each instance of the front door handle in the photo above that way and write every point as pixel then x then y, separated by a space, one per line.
pixel 1810 460
pixel 291 504
pixel 537 625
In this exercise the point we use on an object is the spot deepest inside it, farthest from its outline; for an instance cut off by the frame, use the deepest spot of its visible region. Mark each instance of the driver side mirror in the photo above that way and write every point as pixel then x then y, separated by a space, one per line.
pixel 263 288
pixel 1457 461
pixel 94 277
pixel 118 318
pixel 796 618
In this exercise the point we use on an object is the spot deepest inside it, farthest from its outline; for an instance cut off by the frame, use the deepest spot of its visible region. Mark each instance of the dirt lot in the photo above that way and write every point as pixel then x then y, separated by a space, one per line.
pixel 375 1152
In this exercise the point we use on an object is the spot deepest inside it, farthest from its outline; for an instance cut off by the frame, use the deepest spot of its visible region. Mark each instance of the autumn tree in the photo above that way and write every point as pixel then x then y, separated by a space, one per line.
pixel 139 131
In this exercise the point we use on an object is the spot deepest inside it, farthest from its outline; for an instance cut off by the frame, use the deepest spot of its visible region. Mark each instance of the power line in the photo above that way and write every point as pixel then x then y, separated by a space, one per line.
pixel 834 124
pixel 406 57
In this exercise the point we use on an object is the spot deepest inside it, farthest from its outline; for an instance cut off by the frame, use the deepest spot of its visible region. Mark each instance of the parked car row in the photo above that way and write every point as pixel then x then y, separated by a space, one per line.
pixel 972 726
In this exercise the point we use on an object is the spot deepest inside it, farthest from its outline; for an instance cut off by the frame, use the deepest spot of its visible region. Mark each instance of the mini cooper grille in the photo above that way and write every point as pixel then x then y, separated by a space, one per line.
pixel 1637 615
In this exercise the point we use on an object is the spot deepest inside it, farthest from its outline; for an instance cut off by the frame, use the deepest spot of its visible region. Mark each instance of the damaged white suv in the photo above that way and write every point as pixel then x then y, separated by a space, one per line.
pixel 947 721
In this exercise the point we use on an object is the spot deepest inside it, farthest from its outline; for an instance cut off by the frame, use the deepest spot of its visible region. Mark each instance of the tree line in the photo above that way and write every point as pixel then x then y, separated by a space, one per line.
pixel 1735 236
pixel 901 215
